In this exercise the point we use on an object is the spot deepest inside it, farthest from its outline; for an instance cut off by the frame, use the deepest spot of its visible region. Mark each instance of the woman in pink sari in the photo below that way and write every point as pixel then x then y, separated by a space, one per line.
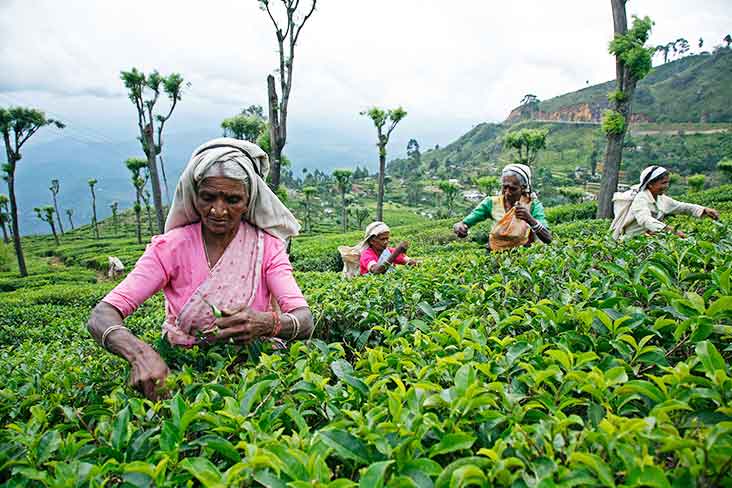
pixel 219 264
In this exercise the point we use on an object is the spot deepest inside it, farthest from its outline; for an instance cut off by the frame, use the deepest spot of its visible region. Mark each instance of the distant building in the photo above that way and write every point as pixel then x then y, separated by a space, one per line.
pixel 473 195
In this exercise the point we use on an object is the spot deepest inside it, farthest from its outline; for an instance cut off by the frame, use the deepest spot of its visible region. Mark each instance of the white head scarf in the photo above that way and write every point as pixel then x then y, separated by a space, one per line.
pixel 372 230
pixel 649 174
pixel 521 171
pixel 237 159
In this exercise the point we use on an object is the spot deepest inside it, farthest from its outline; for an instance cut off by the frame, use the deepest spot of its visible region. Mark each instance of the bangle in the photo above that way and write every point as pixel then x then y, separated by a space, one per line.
pixel 295 326
pixel 276 324
pixel 110 330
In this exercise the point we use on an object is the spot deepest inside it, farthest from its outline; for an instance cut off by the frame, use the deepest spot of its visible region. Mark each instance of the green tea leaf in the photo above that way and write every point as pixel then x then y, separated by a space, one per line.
pixel 452 442
pixel 374 475
pixel 346 445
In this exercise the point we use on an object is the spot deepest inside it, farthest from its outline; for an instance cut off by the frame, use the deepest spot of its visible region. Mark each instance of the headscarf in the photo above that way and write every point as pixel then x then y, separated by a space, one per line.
pixel 241 160
pixel 522 172
pixel 372 230
pixel 649 174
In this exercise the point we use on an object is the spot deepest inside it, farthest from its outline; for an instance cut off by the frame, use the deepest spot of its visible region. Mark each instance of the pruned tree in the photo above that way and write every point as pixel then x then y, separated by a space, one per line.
pixel 4 216
pixel 681 47
pixel 92 182
pixel 45 213
pixel 488 184
pixel 728 40
pixel 664 49
pixel 360 214
pixel 144 92
pixel 701 43
pixel 55 187
pixel 632 64
pixel 114 206
pixel 530 102
pixel 343 184
pixel 309 192
pixel 247 125
pixel 288 19
pixel 414 191
pixel 450 190
pixel 70 214
pixel 385 121
pixel 725 167
pixel 414 156
pixel 696 182
pixel 137 167
pixel 17 125
pixel 527 143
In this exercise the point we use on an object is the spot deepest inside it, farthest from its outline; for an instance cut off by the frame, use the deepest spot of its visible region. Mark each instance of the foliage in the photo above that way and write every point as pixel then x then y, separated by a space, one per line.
pixel 450 190
pixel 585 362
pixel 630 48
pixel 527 143
pixel 246 127
pixel 725 166
pixel 613 122
pixel 488 184
pixel 696 182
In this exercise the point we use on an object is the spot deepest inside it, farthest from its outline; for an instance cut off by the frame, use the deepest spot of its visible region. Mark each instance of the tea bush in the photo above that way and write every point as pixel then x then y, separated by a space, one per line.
pixel 581 363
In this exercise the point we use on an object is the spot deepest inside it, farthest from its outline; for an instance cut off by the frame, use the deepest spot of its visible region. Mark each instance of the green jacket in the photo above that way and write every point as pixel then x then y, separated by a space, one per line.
pixel 484 211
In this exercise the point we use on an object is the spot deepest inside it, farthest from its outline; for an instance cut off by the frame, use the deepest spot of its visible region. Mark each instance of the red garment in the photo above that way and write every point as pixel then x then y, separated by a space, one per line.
pixel 369 256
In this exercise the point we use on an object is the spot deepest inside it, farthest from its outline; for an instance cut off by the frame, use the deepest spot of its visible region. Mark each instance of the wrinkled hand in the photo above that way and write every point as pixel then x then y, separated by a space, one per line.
pixel 148 374
pixel 402 247
pixel 680 234
pixel 241 326
pixel 523 214
pixel 460 229
pixel 711 213
pixel 413 262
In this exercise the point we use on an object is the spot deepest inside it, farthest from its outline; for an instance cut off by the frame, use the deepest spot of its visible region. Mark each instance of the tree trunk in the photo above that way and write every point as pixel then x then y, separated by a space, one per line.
pixel 614 150
pixel 14 221
pixel 71 222
pixel 154 178
pixel 138 223
pixel 380 195
pixel 53 231
pixel 5 234
pixel 58 216
pixel 94 214
pixel 345 212
pixel 275 144
pixel 149 219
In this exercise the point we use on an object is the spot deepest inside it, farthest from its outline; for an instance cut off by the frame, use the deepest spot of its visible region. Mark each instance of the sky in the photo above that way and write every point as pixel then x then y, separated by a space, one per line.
pixel 451 65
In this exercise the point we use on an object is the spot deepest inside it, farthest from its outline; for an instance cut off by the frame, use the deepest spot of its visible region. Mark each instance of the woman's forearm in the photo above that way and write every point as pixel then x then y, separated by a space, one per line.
pixel 304 317
pixel 121 342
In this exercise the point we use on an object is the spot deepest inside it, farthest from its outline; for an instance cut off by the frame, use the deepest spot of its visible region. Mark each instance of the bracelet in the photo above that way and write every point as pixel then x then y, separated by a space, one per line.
pixel 110 330
pixel 276 324
pixel 295 326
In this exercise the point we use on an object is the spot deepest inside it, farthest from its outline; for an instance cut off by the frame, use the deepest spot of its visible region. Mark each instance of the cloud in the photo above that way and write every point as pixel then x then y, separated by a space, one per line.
pixel 451 65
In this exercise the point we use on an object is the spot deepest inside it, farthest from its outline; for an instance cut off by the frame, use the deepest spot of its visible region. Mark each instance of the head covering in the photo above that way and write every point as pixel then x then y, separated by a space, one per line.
pixel 373 229
pixel 521 171
pixel 649 174
pixel 265 210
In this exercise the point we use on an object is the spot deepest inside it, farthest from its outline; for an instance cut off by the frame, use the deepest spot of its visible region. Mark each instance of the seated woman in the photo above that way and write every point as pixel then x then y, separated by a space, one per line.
pixel 515 193
pixel 376 256
pixel 222 251
pixel 642 209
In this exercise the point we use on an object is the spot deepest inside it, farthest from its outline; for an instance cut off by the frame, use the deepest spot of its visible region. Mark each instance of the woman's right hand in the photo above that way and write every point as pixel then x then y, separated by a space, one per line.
pixel 148 373
pixel 401 247
pixel 460 229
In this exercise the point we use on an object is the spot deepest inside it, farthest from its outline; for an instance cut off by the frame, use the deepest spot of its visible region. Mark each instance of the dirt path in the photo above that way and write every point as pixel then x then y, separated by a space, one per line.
pixel 675 132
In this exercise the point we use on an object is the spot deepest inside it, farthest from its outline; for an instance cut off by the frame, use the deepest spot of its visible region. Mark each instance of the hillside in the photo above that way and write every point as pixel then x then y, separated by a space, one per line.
pixel 683 120
pixel 691 89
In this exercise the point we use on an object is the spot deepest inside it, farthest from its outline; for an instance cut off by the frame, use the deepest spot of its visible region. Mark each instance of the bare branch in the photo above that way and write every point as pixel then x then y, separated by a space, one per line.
pixel 305 19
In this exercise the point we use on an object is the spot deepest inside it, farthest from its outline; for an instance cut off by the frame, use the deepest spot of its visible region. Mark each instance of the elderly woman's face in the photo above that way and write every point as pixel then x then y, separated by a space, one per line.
pixel 511 188
pixel 659 185
pixel 221 202
pixel 379 242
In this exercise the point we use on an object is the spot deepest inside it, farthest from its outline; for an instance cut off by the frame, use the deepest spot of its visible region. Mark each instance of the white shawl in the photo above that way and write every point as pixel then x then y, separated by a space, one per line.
pixel 266 211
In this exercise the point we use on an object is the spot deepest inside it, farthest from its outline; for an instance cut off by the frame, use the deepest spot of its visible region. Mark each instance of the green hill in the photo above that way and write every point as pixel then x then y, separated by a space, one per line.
pixel 683 120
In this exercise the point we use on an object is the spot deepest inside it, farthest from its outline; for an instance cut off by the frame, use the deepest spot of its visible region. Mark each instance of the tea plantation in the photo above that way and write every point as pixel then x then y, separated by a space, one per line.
pixel 581 363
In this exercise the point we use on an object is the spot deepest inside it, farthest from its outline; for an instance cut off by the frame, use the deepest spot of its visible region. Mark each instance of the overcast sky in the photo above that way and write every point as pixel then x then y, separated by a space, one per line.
pixel 451 65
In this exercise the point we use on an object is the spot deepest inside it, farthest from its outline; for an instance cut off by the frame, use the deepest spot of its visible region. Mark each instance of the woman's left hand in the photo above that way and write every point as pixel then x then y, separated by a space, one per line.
pixel 524 214
pixel 242 326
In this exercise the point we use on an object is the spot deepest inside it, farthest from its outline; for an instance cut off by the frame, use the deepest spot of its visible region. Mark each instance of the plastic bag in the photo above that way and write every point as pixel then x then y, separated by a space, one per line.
pixel 509 232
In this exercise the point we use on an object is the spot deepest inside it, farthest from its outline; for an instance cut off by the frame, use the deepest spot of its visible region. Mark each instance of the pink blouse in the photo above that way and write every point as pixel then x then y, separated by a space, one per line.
pixel 369 256
pixel 175 262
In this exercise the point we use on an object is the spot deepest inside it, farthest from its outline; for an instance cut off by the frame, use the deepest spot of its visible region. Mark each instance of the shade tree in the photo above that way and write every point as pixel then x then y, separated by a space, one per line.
pixel 45 214
pixel 17 126
pixel 55 188
pixel 92 183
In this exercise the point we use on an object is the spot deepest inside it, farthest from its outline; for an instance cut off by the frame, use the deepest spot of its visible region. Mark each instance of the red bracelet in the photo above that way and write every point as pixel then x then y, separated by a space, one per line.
pixel 276 324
